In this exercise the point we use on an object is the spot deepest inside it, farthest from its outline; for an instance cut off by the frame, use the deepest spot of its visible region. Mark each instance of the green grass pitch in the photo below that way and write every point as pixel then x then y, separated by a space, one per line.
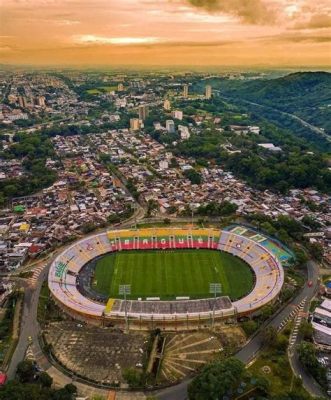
pixel 170 273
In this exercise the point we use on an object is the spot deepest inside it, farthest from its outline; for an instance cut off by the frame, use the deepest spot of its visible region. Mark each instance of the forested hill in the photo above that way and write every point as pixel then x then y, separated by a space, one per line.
pixel 299 85
pixel 304 94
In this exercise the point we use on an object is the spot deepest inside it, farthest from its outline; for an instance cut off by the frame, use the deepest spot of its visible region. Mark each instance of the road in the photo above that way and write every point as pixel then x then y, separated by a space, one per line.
pixel 29 323
pixel 308 382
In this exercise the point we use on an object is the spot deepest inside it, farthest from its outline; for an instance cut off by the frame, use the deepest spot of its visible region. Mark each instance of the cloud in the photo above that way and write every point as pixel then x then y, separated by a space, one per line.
pixel 94 39
pixel 66 22
pixel 316 21
pixel 5 49
pixel 249 11
pixel 296 38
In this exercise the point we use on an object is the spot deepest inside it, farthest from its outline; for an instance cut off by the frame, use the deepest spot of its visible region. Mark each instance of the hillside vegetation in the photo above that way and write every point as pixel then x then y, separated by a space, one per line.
pixel 304 94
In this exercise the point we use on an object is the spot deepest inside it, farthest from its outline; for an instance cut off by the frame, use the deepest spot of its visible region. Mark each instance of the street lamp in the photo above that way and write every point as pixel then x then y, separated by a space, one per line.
pixel 215 288
pixel 125 290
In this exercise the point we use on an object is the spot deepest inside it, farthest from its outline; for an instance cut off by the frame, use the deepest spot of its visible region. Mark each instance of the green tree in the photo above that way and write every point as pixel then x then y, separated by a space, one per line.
pixel 25 371
pixel 306 330
pixel 193 176
pixel 88 227
pixel 281 343
pixel 216 380
pixel 45 380
pixel 307 356
pixel 268 228
pixel 133 377
pixel 269 336
pixel 267 311
pixel 249 327
pixel 310 222
pixel 152 205
pixel 316 250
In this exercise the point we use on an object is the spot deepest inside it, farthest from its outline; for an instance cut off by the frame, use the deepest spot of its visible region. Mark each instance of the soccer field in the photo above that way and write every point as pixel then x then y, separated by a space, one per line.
pixel 170 273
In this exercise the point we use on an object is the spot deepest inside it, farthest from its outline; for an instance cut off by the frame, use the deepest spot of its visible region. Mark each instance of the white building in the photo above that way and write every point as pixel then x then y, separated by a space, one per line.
pixel 177 114
pixel 163 164
pixel 170 126
pixel 184 132
pixel 270 146
pixel 254 129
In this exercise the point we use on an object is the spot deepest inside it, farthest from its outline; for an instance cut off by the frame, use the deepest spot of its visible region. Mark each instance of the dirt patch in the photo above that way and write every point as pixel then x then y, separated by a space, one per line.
pixel 95 353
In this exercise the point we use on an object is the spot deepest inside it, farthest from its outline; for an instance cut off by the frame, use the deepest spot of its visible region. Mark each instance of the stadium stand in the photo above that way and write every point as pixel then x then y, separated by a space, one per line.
pixel 64 272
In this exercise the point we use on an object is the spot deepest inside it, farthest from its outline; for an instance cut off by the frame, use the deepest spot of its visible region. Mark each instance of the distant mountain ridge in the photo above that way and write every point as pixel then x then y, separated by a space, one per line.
pixel 291 86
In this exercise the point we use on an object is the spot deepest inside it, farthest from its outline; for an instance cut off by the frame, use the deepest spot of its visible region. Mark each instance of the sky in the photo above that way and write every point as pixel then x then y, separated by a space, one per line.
pixel 166 32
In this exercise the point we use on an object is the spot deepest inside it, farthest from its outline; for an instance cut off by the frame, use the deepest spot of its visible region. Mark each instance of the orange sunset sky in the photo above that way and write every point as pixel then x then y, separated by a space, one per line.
pixel 165 32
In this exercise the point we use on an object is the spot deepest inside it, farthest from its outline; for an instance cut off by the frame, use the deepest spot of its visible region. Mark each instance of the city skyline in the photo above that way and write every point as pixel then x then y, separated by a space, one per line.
pixel 177 32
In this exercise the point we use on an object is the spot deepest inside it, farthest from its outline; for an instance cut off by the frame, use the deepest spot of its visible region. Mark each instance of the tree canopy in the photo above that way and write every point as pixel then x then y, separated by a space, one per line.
pixel 216 380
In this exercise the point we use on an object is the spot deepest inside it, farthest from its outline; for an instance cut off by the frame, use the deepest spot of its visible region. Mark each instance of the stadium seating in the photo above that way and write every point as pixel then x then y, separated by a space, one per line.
pixel 269 275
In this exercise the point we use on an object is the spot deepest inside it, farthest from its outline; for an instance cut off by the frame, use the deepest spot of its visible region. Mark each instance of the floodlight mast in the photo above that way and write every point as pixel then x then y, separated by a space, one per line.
pixel 124 290
pixel 215 288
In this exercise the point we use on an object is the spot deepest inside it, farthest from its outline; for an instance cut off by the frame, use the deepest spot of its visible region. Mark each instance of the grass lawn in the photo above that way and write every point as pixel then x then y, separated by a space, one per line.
pixel 167 274
pixel 280 375
pixel 101 89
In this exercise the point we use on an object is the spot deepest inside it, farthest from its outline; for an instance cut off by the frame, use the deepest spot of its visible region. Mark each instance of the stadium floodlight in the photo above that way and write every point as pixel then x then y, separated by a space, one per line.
pixel 215 288
pixel 124 290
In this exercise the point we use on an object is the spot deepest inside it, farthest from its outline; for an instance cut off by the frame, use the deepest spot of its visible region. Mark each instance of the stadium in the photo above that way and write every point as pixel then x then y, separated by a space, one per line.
pixel 169 275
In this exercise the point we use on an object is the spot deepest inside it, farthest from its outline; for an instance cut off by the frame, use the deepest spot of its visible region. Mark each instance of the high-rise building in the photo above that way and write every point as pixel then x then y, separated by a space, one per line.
pixel 185 90
pixel 143 112
pixel 167 105
pixel 12 98
pixel 170 126
pixel 184 132
pixel 177 114
pixel 134 124
pixel 22 101
pixel 40 101
pixel 208 92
